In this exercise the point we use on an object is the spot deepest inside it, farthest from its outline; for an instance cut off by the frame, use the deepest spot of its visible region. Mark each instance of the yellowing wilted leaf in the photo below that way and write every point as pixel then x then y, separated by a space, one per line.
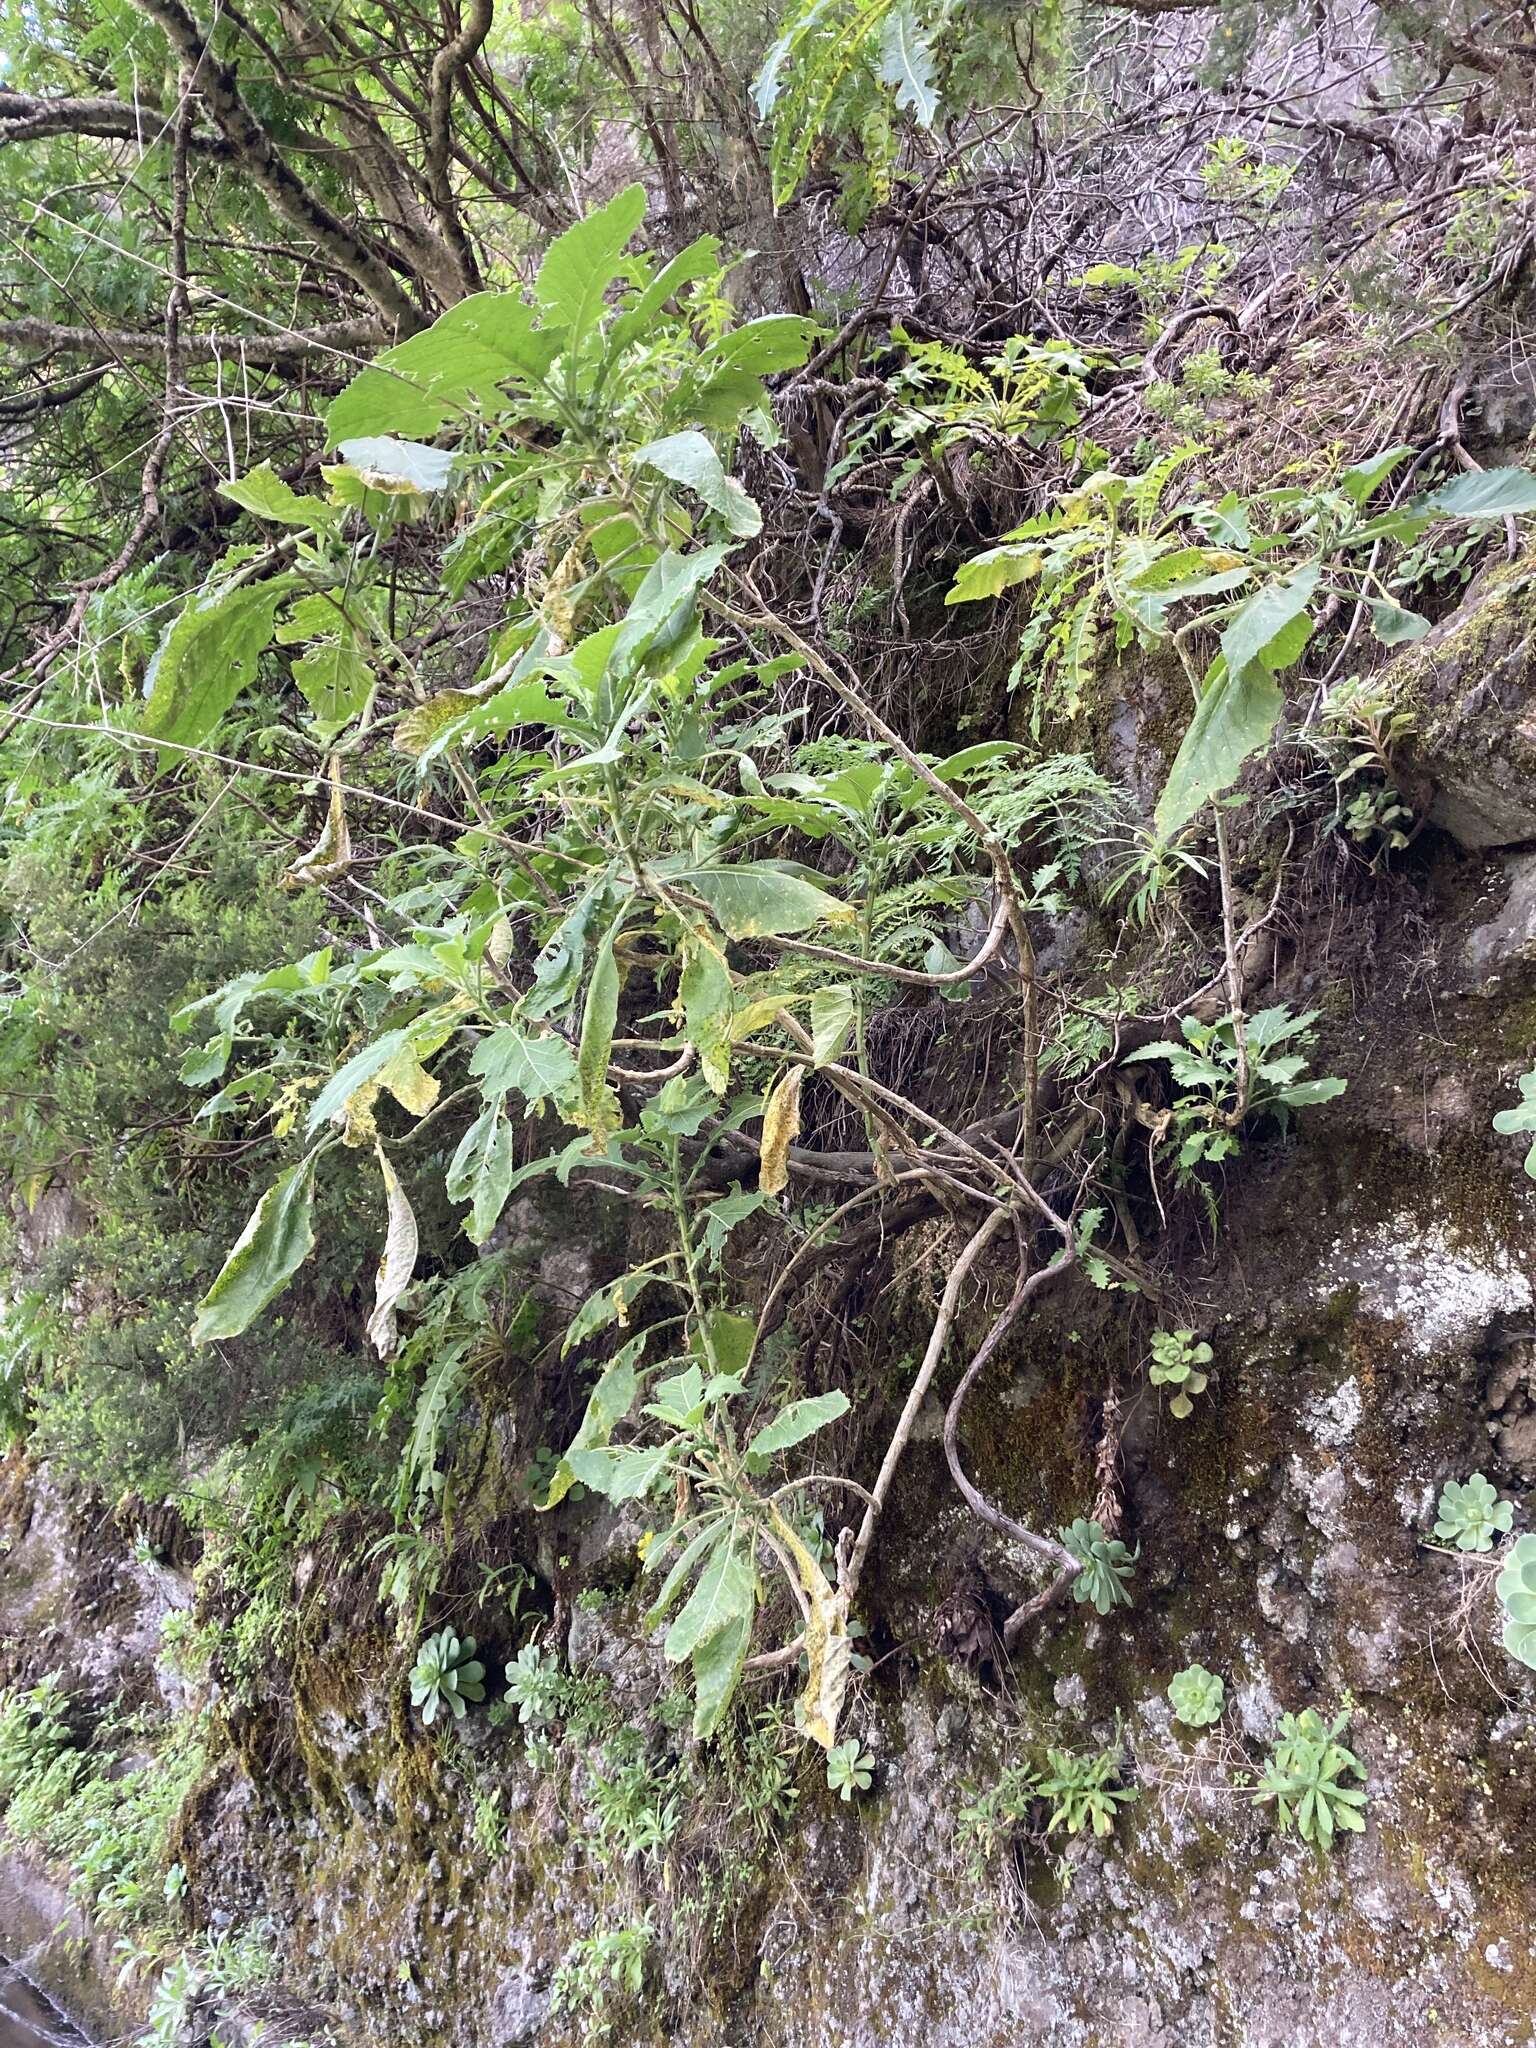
pixel 828 1646
pixel 331 855
pixel 398 1262
pixel 409 1082
pixel 423 722
pixel 781 1126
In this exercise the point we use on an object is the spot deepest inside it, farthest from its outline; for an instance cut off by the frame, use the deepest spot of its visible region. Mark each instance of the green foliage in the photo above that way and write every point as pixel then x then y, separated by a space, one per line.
pixel 1522 1118
pixel 1304 1777
pixel 1179 1362
pixel 637 1803
pixel 1197 1696
pixel 447 1673
pixel 827 71
pixel 1107 1566
pixel 102 1807
pixel 850 1769
pixel 1083 1791
pixel 1361 733
pixel 98 1363
pixel 1067 1793
pixel 1233 1069
pixel 1114 553
pixel 1471 1514
pixel 602 1974
pixel 1516 1589
pixel 34 1731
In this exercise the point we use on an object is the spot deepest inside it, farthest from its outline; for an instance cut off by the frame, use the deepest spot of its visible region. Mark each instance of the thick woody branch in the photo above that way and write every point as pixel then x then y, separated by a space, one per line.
pixel 26 405
pixel 258 156
pixel 1042 1546
pixel 25 117
pixel 147 345
pixel 943 1322
pixel 447 67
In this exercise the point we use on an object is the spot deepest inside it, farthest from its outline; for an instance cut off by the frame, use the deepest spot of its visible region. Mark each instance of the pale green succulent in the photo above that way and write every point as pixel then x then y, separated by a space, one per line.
pixel 1516 1589
pixel 1197 1696
pixel 1471 1513
pixel 1178 1361
pixel 1106 1565
pixel 535 1683
pixel 850 1769
pixel 446 1674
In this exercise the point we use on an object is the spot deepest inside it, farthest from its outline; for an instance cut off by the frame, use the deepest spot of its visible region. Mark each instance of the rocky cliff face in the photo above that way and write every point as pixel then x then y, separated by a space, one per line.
pixel 1368 1296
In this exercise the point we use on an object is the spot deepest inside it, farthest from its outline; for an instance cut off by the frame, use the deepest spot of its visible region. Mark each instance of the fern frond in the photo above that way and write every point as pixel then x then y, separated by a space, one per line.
pixel 1145 495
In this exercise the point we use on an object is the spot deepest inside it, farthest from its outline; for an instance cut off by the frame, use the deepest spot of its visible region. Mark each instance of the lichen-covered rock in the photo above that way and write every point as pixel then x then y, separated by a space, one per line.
pixel 1471 687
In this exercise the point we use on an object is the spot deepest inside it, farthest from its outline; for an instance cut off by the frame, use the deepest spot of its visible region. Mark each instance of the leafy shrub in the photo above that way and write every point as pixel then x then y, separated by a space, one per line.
pixel 447 1673
pixel 33 1730
pixel 1218 1090
pixel 1106 1566
pixel 105 1811
pixel 1304 1774
pixel 601 1974
pixel 1197 1696
pixel 1516 1587
pixel 1471 1514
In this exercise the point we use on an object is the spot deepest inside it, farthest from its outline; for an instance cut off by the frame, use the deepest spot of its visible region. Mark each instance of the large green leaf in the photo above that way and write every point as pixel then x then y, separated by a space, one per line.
pixel 906 63
pixel 832 1014
pixel 279 1235
pixel 792 1425
pixel 481 1170
pixel 596 1104
pixel 778 341
pixel 688 459
pixel 607 1405
pixel 1264 628
pixel 414 388
pixel 206 657
pixel 706 993
pixel 717 1667
pixel 753 900
pixel 1235 717
pixel 619 1475
pixel 989 574
pixel 726 1591
pixel 1483 494
pixel 335 682
pixel 263 492
pixel 535 1064
pixel 667 586
pixel 580 265
pixel 1393 626
pixel 699 259
pixel 1360 481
